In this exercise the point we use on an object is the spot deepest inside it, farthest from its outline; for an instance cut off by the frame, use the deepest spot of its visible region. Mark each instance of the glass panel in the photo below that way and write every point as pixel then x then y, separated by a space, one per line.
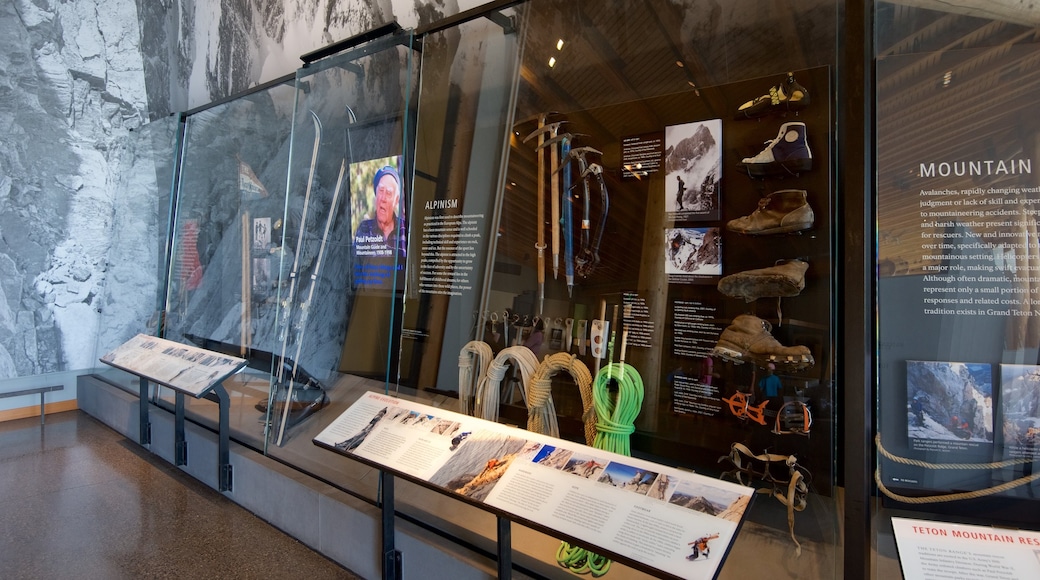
pixel 957 307
pixel 709 276
pixel 341 269
pixel 141 193
pixel 222 292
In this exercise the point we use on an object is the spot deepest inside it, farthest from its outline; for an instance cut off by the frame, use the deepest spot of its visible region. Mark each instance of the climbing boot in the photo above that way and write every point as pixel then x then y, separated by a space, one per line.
pixel 748 338
pixel 788 154
pixel 779 212
pixel 786 97
pixel 787 278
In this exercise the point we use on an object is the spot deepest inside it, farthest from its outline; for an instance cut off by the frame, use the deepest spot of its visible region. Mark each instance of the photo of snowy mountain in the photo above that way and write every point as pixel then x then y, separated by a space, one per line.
pixel 693 251
pixel 949 401
pixel 1020 409
pixel 693 161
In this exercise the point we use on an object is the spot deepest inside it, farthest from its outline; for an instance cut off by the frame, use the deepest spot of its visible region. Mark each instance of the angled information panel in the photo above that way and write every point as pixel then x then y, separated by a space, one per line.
pixel 186 369
pixel 670 520
pixel 937 550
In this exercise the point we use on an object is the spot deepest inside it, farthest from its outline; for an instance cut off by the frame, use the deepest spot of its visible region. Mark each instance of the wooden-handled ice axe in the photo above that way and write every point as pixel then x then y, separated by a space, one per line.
pixel 552 129
pixel 540 243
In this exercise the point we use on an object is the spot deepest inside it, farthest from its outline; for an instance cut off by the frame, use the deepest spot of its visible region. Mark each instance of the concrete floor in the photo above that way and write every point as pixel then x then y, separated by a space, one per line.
pixel 80 500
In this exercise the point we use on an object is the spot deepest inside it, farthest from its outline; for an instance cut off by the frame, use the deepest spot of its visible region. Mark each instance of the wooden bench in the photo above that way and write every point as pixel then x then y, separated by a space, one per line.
pixel 38 390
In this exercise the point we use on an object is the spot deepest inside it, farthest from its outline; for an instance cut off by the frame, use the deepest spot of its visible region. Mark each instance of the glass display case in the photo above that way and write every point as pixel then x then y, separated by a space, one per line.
pixel 228 222
pixel 956 283
pixel 656 216
pixel 495 215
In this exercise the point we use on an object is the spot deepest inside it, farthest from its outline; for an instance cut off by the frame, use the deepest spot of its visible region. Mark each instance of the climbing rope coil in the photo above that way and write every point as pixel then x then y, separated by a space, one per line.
pixel 541 388
pixel 475 353
pixel 615 423
pixel 486 401
pixel 609 421
pixel 616 418
pixel 959 466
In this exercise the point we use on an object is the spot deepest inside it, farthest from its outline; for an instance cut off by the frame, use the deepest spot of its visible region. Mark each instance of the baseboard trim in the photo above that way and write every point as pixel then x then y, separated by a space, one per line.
pixel 34 410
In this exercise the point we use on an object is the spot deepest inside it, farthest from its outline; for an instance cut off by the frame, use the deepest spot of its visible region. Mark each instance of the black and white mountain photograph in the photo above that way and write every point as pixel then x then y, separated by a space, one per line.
pixel 693 161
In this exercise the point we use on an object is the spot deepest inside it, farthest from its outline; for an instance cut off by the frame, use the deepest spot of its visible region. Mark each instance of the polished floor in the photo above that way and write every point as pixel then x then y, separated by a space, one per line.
pixel 78 500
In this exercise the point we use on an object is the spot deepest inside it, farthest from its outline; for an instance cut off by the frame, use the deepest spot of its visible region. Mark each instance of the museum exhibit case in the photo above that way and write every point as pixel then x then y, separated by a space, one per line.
pixel 957 342
pixel 616 225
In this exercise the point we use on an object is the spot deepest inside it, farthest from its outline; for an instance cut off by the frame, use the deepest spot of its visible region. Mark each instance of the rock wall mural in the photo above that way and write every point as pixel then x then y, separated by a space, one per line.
pixel 72 88
pixel 82 172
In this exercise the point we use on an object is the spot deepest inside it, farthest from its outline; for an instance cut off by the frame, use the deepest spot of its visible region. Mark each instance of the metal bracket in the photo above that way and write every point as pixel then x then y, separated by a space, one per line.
pixel 507 23
pixel 226 477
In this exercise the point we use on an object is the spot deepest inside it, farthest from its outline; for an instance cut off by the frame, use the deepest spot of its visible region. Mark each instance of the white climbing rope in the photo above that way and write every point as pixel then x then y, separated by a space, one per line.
pixel 475 353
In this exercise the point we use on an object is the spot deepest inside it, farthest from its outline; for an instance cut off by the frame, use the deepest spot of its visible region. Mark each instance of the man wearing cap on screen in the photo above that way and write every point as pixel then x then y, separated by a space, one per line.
pixel 379 243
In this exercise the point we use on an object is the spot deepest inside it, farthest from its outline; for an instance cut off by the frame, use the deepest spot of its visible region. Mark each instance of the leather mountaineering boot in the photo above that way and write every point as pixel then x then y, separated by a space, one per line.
pixel 786 97
pixel 780 212
pixel 785 279
pixel 748 338
pixel 787 154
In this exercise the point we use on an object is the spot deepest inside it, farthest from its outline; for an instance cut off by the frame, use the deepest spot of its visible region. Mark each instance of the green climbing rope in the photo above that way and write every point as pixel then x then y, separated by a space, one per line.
pixel 615 423
pixel 616 417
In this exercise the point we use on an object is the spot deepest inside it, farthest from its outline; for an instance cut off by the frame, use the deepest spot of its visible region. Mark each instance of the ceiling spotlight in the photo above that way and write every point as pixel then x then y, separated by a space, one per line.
pixel 559 44
pixel 679 63
pixel 552 61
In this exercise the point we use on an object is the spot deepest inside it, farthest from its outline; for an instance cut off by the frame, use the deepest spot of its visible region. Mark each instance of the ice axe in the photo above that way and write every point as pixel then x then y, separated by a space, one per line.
pixel 552 129
pixel 540 243
pixel 589 258
pixel 586 222
pixel 565 140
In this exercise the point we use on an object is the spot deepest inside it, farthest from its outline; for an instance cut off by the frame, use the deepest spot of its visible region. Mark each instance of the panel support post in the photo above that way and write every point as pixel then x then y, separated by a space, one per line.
pixel 392 560
pixel 180 445
pixel 224 437
pixel 145 427
pixel 505 548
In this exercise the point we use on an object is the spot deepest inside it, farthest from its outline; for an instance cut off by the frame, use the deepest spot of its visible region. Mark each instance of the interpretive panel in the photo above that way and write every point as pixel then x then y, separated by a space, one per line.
pixel 938 550
pixel 184 368
pixel 958 293
pixel 672 520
